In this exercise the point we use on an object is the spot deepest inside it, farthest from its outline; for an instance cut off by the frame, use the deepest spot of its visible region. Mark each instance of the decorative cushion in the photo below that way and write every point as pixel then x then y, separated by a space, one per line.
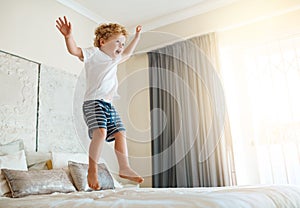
pixel 49 164
pixel 16 161
pixel 61 159
pixel 23 183
pixel 79 174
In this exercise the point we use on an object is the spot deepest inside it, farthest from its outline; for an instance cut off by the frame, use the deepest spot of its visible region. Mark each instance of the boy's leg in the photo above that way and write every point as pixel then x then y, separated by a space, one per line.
pixel 95 149
pixel 122 156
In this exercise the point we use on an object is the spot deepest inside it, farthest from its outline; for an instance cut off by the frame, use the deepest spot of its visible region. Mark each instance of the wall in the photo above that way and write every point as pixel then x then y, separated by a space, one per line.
pixel 134 107
pixel 238 14
pixel 28 30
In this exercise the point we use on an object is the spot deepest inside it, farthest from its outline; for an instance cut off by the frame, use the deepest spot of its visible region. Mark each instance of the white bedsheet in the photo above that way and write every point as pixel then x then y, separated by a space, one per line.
pixel 279 196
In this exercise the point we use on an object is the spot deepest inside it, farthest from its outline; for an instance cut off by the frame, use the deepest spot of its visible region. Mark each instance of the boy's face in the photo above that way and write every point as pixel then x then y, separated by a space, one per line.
pixel 114 45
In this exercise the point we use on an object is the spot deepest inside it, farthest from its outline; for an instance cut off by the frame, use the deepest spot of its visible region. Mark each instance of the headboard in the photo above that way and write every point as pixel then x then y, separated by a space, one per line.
pixel 38 104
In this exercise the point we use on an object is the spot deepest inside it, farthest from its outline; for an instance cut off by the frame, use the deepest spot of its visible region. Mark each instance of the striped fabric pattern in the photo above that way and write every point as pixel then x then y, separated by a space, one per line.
pixel 101 114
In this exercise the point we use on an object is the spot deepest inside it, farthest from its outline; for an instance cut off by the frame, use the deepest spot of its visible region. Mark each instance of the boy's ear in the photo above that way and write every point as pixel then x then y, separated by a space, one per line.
pixel 101 41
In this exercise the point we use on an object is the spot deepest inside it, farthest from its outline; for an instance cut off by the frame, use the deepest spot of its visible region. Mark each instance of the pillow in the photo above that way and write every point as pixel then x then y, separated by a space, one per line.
pixel 16 161
pixel 12 147
pixel 79 174
pixel 37 160
pixel 60 159
pixel 23 183
pixel 38 166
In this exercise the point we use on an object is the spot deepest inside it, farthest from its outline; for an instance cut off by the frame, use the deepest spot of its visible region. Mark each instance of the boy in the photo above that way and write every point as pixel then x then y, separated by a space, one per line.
pixel 100 63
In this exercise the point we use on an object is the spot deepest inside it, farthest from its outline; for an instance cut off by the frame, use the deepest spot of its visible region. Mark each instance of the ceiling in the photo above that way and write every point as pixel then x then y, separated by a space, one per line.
pixel 150 14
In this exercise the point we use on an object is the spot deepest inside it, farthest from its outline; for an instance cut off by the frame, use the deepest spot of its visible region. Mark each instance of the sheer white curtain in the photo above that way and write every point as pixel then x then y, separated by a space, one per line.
pixel 263 84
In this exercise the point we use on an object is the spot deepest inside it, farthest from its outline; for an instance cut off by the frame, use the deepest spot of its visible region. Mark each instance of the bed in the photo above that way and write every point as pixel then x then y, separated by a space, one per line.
pixel 58 179
pixel 281 196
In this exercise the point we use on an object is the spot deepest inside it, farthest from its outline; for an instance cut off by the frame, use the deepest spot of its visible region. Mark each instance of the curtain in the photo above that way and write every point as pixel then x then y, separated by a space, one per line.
pixel 269 102
pixel 191 141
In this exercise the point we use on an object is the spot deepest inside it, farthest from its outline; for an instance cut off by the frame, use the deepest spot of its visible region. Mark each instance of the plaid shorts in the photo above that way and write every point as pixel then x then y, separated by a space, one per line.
pixel 101 114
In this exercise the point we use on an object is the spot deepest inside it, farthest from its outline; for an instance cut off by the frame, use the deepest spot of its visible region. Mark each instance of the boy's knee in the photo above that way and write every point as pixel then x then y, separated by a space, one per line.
pixel 100 133
pixel 120 135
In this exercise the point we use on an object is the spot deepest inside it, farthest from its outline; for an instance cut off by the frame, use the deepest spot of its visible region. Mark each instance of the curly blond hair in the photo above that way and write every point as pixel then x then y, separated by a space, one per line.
pixel 105 31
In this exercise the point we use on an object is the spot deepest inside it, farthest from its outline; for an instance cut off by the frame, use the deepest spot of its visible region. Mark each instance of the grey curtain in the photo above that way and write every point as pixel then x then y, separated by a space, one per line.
pixel 191 141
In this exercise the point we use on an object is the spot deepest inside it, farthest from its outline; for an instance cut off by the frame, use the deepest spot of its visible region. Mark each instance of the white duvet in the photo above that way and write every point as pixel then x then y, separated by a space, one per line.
pixel 280 196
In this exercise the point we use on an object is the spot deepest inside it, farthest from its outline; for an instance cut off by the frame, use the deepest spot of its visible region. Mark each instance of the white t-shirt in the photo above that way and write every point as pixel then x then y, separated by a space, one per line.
pixel 101 74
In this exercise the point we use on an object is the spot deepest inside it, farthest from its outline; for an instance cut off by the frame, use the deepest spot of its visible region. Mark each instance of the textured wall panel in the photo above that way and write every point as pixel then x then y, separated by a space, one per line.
pixel 18 103
pixel 56 131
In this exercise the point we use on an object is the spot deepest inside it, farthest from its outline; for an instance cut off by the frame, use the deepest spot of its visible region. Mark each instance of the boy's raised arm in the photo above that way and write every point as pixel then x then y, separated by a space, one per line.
pixel 132 45
pixel 65 28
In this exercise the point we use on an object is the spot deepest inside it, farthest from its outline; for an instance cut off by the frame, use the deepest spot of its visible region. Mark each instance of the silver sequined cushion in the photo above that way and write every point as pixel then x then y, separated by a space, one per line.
pixel 79 174
pixel 23 183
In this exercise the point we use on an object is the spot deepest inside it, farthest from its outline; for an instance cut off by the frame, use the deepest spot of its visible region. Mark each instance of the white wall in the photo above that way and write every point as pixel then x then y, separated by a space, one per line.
pixel 224 19
pixel 28 30
pixel 134 108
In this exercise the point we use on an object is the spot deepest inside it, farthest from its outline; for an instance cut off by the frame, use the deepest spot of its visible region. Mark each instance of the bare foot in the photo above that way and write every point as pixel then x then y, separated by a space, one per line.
pixel 130 174
pixel 92 178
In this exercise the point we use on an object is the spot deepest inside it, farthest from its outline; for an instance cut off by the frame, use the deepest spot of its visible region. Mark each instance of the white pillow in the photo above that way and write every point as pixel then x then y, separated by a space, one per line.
pixel 16 161
pixel 12 147
pixel 37 157
pixel 61 159
pixel 37 160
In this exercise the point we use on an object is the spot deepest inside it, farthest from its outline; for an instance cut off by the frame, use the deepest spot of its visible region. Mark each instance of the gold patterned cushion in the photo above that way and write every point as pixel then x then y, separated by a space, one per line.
pixel 23 183
pixel 79 174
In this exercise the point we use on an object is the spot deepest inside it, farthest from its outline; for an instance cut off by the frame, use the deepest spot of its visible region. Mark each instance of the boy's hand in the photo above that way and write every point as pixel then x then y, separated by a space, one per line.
pixel 138 28
pixel 64 26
